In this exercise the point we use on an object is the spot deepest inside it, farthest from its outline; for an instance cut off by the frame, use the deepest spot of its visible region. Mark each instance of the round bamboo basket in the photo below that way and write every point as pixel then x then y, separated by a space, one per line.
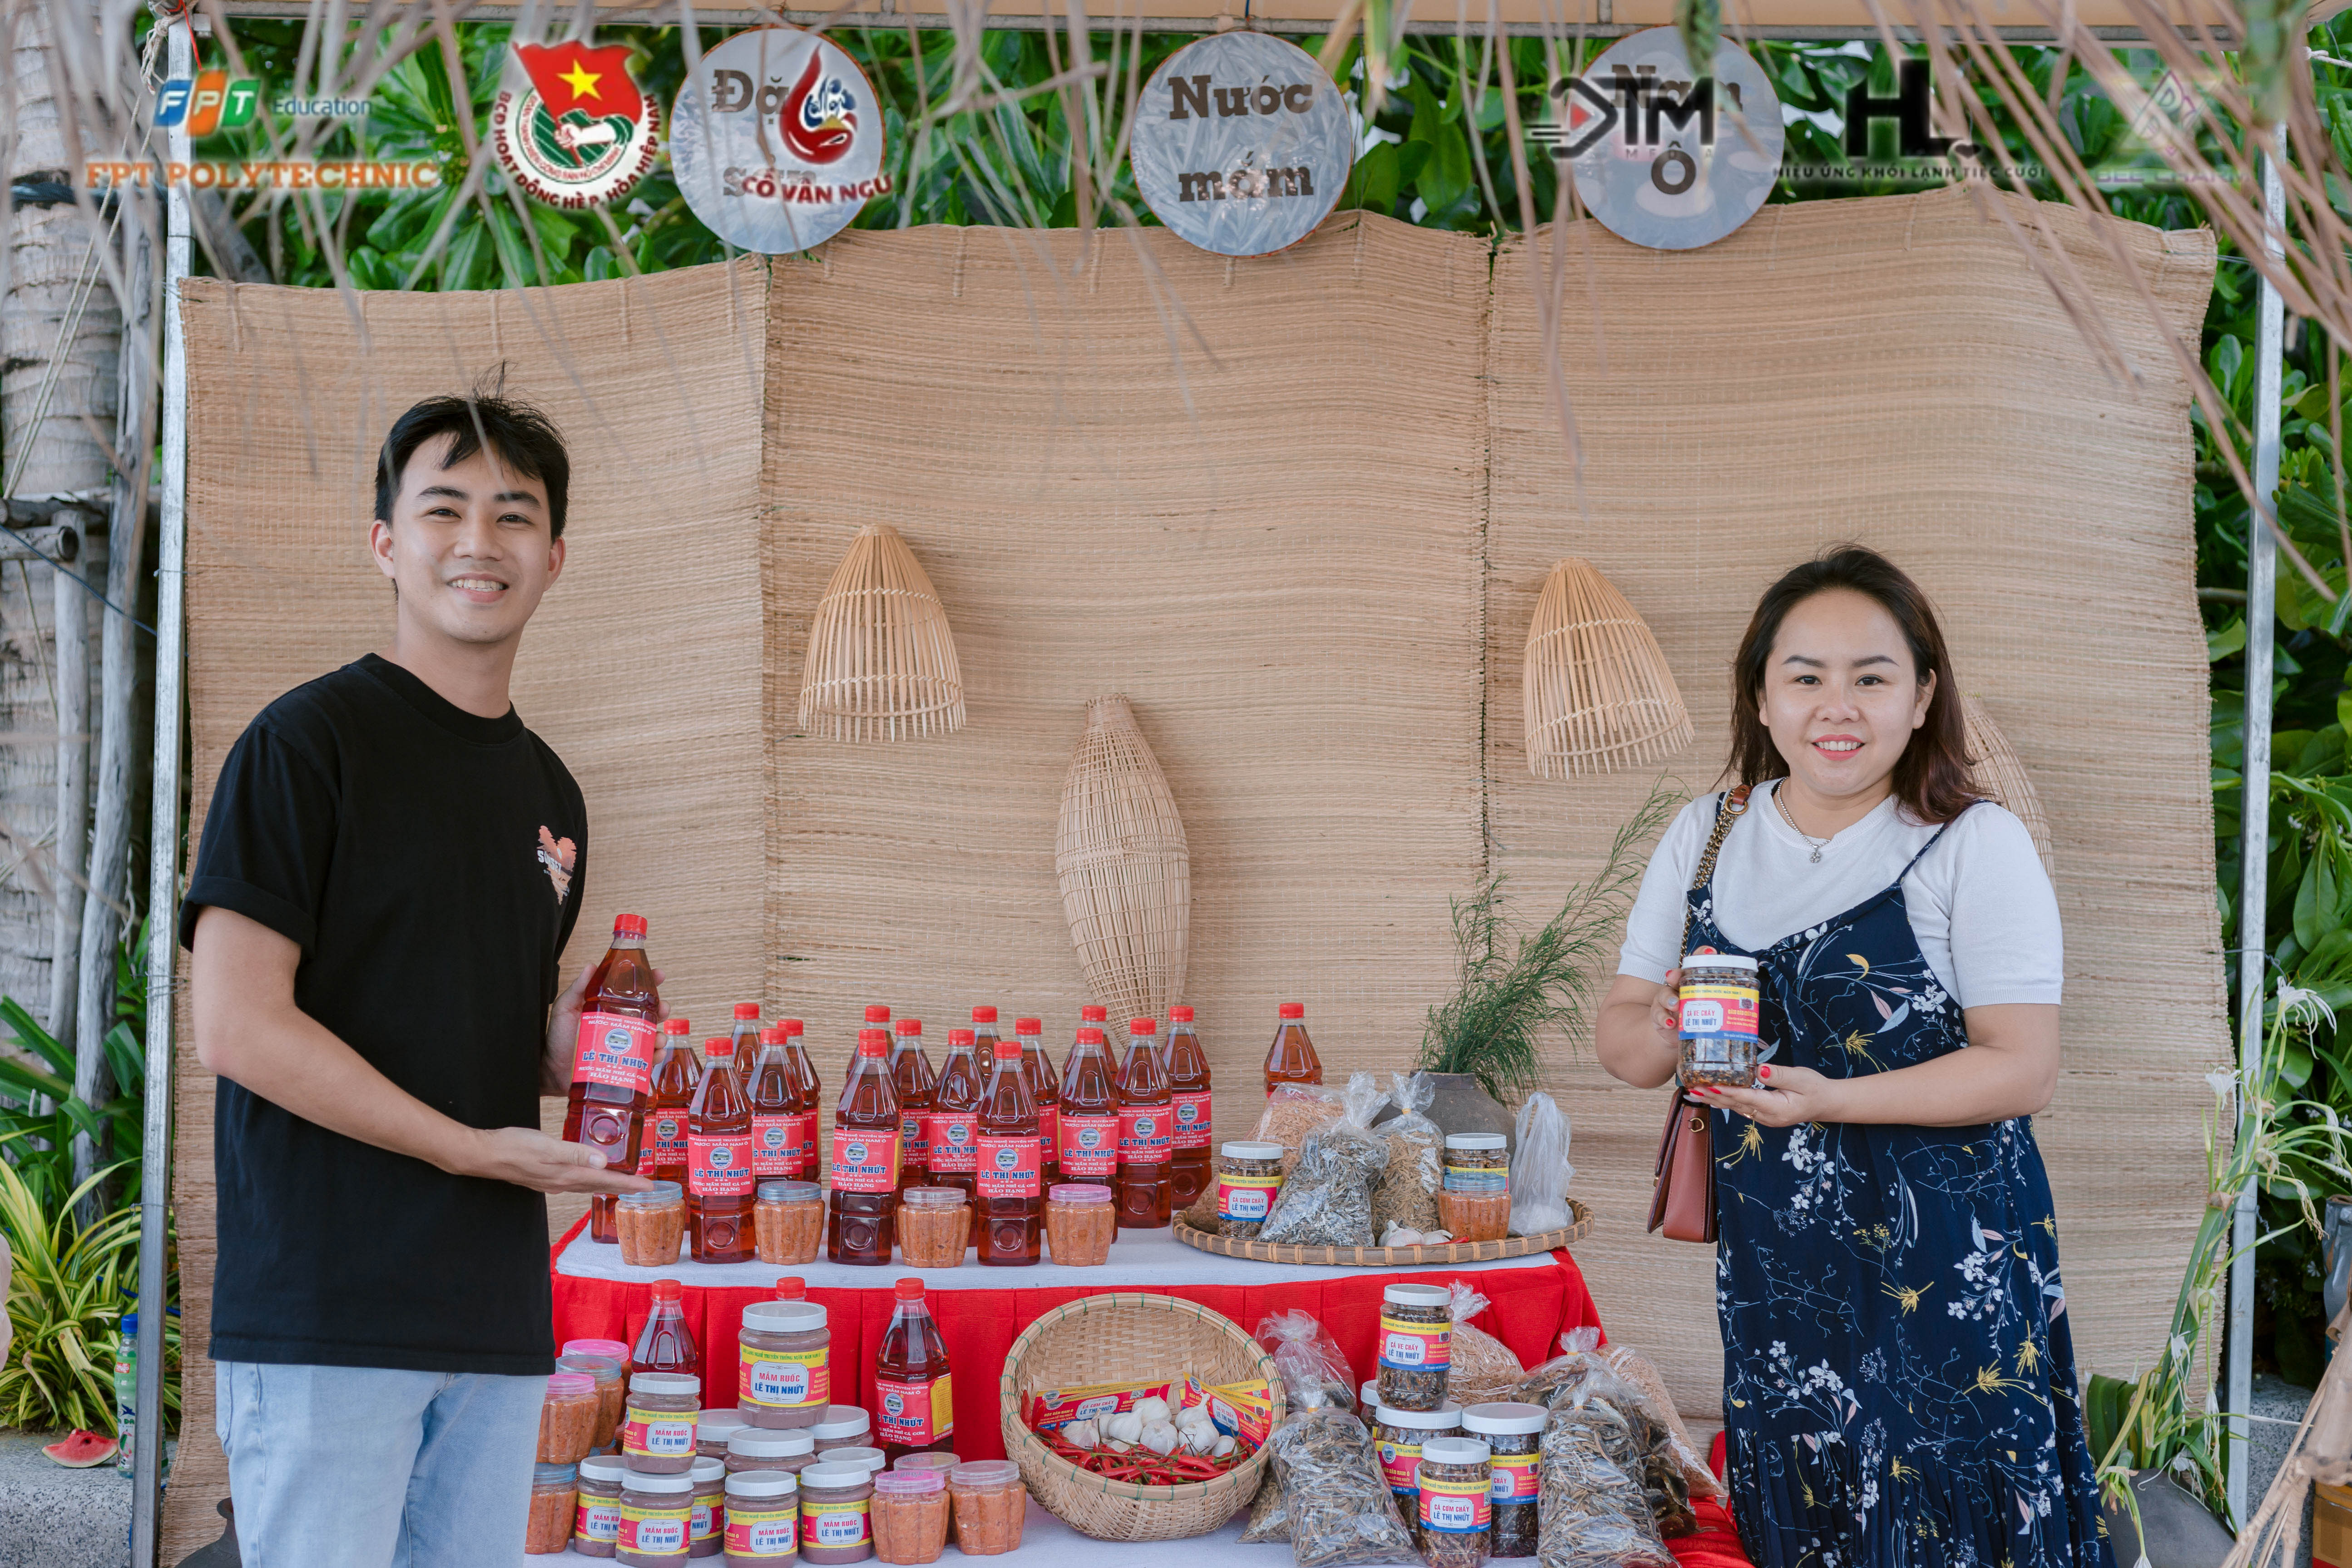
pixel 881 662
pixel 1596 692
pixel 2001 775
pixel 1433 1255
pixel 1129 1337
pixel 1126 875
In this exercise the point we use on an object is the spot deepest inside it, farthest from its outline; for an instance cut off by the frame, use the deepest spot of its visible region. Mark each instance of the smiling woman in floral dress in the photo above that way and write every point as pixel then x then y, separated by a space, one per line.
pixel 1898 1375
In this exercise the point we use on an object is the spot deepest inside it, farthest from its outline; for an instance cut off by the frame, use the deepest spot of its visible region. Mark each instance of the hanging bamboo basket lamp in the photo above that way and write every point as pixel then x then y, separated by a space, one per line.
pixel 2000 773
pixel 1126 874
pixel 881 663
pixel 1598 693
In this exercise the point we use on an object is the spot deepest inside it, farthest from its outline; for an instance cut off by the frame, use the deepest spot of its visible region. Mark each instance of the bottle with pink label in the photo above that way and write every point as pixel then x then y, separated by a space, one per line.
pixel 911 1075
pixel 1089 1118
pixel 612 1064
pixel 807 1098
pixel 864 1203
pixel 911 1387
pixel 1189 1166
pixel 1144 1113
pixel 719 1176
pixel 677 1073
pixel 768 1086
pixel 1045 1088
pixel 1009 1191
pixel 951 1127
pixel 747 1042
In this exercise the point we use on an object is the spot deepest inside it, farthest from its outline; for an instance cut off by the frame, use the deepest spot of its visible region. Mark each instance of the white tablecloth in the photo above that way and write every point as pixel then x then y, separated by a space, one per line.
pixel 1143 1258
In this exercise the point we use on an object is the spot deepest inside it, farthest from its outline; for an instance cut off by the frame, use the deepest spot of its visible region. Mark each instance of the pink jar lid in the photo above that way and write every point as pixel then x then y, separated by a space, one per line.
pixel 1079 1192
pixel 908 1483
pixel 612 1348
pixel 571 1385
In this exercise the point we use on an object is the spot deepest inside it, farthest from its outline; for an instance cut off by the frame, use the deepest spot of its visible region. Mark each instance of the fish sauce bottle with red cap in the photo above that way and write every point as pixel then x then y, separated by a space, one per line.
pixel 863 1206
pixel 1189 1166
pixel 1141 1189
pixel 666 1344
pixel 1089 1130
pixel 1045 1088
pixel 719 1178
pixel 768 1089
pixel 612 1062
pixel 677 1073
pixel 1291 1058
pixel 746 1034
pixel 911 1075
pixel 916 1399
pixel 877 1017
pixel 806 1098
pixel 951 1127
pixel 1010 1190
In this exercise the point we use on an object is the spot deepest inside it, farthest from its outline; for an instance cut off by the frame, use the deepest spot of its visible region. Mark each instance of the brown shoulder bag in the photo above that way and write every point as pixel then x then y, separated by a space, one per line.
pixel 1682 1203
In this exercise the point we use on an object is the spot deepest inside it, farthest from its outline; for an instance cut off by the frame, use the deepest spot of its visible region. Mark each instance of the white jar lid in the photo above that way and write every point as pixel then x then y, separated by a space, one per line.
pixel 1368 1396
pixel 783 1317
pixel 1418 1295
pixel 1454 1451
pixel 1502 1417
pixel 720 1418
pixel 863 1457
pixel 763 1483
pixel 770 1443
pixel 706 1468
pixel 602 1467
pixel 1474 1140
pixel 1717 960
pixel 840 1420
pixel 638 1481
pixel 1251 1151
pixel 1445 1417
pixel 838 1478
pixel 664 1383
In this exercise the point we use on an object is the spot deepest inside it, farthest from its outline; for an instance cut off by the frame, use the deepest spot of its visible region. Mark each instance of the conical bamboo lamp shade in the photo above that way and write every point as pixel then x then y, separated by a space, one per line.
pixel 1126 875
pixel 881 663
pixel 1598 693
pixel 1999 774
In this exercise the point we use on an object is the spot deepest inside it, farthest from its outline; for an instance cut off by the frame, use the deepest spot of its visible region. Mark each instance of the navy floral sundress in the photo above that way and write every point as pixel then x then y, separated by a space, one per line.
pixel 1898 1373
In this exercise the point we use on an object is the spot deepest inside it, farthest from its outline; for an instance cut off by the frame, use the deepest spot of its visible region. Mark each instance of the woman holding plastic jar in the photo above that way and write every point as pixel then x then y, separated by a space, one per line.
pixel 1899 1382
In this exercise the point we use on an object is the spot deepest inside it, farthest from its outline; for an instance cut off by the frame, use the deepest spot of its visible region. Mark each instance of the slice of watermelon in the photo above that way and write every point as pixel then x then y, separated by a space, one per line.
pixel 80 1450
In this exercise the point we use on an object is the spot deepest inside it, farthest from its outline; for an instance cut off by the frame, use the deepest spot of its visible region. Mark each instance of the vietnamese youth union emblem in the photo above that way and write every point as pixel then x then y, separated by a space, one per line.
pixel 580 134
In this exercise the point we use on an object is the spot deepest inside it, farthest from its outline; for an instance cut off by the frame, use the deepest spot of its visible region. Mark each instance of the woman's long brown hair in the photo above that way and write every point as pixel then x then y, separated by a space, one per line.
pixel 1933 778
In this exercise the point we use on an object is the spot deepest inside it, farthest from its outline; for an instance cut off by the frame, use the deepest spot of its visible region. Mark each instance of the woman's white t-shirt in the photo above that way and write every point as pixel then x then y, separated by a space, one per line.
pixel 1980 903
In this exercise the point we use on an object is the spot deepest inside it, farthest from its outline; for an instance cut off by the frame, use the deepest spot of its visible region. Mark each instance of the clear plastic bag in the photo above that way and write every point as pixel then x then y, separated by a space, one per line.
pixel 1269 1518
pixel 1326 1200
pixel 1308 1358
pixel 1341 1510
pixel 1407 1193
pixel 1636 1370
pixel 1581 1358
pixel 1593 1509
pixel 1539 1169
pixel 1292 1112
pixel 1484 1368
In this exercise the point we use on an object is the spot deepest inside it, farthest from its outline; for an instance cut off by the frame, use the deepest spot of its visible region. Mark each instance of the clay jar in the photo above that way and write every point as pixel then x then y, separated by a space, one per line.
pixel 836 1513
pixel 786 1378
pixel 763 1518
pixel 657 1438
pixel 657 1519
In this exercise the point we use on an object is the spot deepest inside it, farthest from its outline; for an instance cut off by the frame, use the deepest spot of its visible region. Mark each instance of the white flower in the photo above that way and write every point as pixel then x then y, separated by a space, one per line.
pixel 2224 1085
pixel 2304 1008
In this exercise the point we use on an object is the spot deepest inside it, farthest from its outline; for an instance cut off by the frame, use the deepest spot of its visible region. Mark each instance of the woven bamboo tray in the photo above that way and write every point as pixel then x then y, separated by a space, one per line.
pixel 1435 1255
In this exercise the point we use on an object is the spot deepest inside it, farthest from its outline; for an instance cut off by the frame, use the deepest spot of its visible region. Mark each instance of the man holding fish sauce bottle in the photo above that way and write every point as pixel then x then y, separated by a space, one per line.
pixel 388 872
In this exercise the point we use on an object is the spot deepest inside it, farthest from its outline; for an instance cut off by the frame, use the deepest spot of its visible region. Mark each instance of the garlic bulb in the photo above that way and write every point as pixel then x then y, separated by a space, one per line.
pixel 1149 1410
pixel 1127 1426
pixel 1201 1439
pixel 1224 1446
pixel 1160 1437
pixel 1082 1434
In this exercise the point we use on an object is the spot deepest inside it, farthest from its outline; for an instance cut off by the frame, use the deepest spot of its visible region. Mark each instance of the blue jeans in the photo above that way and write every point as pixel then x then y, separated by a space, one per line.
pixel 339 1467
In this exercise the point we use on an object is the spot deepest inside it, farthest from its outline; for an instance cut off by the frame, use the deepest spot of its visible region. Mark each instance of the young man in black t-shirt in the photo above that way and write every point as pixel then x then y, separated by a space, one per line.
pixel 388 874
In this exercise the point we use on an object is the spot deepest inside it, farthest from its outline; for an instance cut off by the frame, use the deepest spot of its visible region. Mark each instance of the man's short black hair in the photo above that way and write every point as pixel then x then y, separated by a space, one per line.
pixel 523 439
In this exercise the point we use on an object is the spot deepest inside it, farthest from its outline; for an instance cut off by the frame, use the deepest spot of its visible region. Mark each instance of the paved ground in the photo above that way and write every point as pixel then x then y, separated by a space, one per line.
pixel 51 1517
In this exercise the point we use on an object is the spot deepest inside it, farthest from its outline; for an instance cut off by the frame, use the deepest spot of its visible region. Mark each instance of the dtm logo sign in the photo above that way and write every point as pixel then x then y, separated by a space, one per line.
pixel 208 105
pixel 1635 102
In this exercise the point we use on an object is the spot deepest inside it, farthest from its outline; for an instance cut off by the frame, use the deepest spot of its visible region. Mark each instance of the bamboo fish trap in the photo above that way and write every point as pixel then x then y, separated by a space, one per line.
pixel 2001 775
pixel 1598 693
pixel 881 662
pixel 1126 874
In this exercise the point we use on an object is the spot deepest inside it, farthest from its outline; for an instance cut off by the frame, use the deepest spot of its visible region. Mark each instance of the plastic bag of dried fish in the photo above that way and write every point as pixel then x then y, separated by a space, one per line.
pixel 1484 1368
pixel 1269 1518
pixel 1341 1510
pixel 1292 1112
pixel 1584 1356
pixel 1594 1509
pixel 1407 1195
pixel 1326 1200
pixel 1308 1359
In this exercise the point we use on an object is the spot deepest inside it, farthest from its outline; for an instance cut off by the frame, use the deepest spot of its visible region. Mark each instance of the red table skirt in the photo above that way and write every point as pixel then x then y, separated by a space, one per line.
pixel 1529 1309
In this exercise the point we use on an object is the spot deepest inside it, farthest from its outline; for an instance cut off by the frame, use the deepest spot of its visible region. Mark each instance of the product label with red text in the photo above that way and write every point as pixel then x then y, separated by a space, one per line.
pixel 1513 1478
pixel 614 1050
pixel 1246 1198
pixel 702 1522
pixel 952 1139
pixel 1090 1145
pixel 654 1532
pixel 666 1136
pixel 1415 1346
pixel 801 1127
pixel 1455 1508
pixel 1049 1134
pixel 836 1524
pixel 661 1434
pixel 718 1164
pixel 915 1413
pixel 1191 1131
pixel 773 1149
pixel 1398 1463
pixel 1007 1165
pixel 912 1150
pixel 1711 1008
pixel 1143 1134
pixel 865 1160
pixel 764 1530
pixel 784 1380
pixel 599 1518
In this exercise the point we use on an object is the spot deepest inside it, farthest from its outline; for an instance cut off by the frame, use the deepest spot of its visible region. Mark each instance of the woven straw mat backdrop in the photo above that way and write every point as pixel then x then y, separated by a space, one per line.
pixel 1892 371
pixel 640 669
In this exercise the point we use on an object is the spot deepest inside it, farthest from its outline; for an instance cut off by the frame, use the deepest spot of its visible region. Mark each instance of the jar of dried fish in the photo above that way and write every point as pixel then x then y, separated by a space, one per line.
pixel 1512 1433
pixel 1455 1517
pixel 1477 1163
pixel 1249 1176
pixel 1399 1435
pixel 1416 1345
pixel 1717 1009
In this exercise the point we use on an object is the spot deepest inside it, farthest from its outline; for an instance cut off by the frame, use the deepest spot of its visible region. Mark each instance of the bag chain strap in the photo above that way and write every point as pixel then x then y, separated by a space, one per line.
pixel 1734 804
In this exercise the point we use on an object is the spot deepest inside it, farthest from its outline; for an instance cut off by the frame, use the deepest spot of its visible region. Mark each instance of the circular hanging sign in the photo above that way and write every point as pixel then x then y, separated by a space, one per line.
pixel 1240 143
pixel 580 133
pixel 776 140
pixel 1659 159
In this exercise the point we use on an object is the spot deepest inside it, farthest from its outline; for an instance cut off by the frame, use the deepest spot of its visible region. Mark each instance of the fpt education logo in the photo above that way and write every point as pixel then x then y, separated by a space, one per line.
pixel 209 104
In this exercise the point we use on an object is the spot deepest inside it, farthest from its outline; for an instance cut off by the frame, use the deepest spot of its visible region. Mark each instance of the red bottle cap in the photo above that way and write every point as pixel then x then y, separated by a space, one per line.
pixel 677 1026
pixel 790 1288
pixel 872 1042
pixel 746 1009
pixel 790 1026
pixel 1090 1014
pixel 1008 1050
pixel 960 1037
pixel 1029 1026
pixel 984 1014
pixel 909 1027
pixel 772 1037
pixel 1180 1015
pixel 1294 1009
pixel 628 925
pixel 719 1045
pixel 1090 1037
pixel 877 1013
pixel 1143 1026
pixel 908 1290
pixel 668 1290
